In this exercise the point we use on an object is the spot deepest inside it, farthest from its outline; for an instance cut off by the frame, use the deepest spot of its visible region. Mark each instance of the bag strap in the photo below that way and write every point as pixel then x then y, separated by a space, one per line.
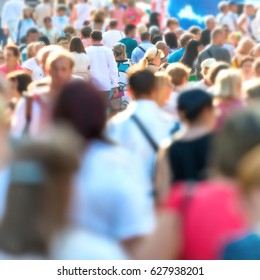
pixel 142 49
pixel 210 54
pixel 146 134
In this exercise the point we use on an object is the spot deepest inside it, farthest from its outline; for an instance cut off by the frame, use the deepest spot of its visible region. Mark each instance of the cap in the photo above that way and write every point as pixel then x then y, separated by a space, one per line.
pixel 208 63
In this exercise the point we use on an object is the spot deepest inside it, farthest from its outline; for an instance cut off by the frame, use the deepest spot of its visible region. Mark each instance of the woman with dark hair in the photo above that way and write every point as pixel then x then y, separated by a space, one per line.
pixel 154 20
pixel 191 55
pixel 102 195
pixel 98 21
pixel 81 67
pixel 171 41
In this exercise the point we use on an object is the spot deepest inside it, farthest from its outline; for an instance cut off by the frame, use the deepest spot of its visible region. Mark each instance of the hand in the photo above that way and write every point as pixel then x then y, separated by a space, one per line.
pixel 115 92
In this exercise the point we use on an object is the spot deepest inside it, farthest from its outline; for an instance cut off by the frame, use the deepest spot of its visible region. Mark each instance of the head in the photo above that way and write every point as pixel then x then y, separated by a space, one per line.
pixel 113 24
pixel 239 134
pixel 19 82
pixel 142 84
pixel 253 92
pixel 234 38
pixel 223 7
pixel 69 30
pixel 96 36
pixel 171 40
pixel 61 10
pixel 84 110
pixel 152 56
pixel 154 19
pixel 130 31
pixel 119 50
pixel 145 36
pixel 249 9
pixel 99 17
pixel 191 53
pixel 41 175
pixel 179 32
pixel 85 32
pixel 156 38
pixel 228 84
pixel 163 87
pixel 47 22
pixel 215 69
pixel 178 73
pixel 76 45
pixel 172 24
pixel 206 65
pixel 210 22
pixel 141 28
pixel 245 46
pixel 27 12
pixel 154 31
pixel 59 67
pixel 246 67
pixel 161 45
pixel 195 107
pixel 11 55
pixel 196 31
pixel 64 43
pixel 185 39
pixel 233 7
pixel 218 37
pixel 44 39
pixel 32 35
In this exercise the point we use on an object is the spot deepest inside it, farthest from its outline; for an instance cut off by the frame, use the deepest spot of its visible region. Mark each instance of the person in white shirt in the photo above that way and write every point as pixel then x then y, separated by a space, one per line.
pixel 42 11
pixel 233 10
pixel 113 35
pixel 49 31
pixel 60 20
pixel 33 65
pixel 224 17
pixel 80 13
pixel 245 20
pixel 11 14
pixel 125 128
pixel 103 67
pixel 78 52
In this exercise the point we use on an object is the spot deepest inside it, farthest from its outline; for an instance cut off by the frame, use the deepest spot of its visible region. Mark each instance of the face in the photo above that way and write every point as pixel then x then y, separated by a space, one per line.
pixel 221 38
pixel 10 58
pixel 173 27
pixel 234 8
pixel 32 37
pixel 211 24
pixel 48 24
pixel 250 11
pixel 247 68
pixel 133 33
pixel 61 72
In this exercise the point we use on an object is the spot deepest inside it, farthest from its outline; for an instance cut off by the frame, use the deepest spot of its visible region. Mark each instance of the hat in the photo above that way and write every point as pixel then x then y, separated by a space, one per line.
pixel 153 52
pixel 208 62
pixel 192 101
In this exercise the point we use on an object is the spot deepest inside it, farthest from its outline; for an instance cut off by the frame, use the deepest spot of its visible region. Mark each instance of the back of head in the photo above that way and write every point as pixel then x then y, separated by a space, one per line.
pixel 215 69
pixel 171 40
pixel 76 45
pixel 223 6
pixel 86 31
pixel 239 134
pixel 142 83
pixel 113 24
pixel 129 28
pixel 216 33
pixel 185 38
pixel 191 104
pixel 179 73
pixel 85 109
pixel 96 36
pixel 146 36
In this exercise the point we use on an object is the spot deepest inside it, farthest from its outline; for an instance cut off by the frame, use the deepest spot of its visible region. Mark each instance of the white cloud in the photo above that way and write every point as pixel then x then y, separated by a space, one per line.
pixel 187 12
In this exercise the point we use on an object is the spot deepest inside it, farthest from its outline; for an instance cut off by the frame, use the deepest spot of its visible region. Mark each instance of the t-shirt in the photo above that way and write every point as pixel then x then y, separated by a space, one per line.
pixel 130 44
pixel 32 65
pixel 188 159
pixel 212 214
pixel 4 70
pixel 111 37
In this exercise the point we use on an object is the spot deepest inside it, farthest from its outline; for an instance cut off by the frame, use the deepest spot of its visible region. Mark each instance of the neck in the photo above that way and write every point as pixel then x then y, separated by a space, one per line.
pixel 194 131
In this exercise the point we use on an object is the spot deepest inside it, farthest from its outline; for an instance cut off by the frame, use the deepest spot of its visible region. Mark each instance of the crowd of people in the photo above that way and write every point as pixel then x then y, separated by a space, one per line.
pixel 124 136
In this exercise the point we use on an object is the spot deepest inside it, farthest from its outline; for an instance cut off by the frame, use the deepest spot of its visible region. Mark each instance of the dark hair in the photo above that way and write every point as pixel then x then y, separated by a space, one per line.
pixel 46 19
pixel 129 28
pixel 171 40
pixel 145 36
pixel 45 40
pixel 69 29
pixel 85 109
pixel 113 23
pixel 154 21
pixel 205 37
pixel 14 49
pixel 86 31
pixel 96 35
pixel 195 30
pixel 215 69
pixel 76 45
pixel 32 30
pixel 191 53
pixel 156 38
pixel 239 134
pixel 171 21
pixel 142 82
pixel 191 103
pixel 23 80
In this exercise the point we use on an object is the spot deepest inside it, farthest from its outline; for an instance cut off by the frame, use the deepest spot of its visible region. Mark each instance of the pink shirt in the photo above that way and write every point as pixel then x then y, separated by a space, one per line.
pixel 212 215
pixel 4 69
pixel 118 14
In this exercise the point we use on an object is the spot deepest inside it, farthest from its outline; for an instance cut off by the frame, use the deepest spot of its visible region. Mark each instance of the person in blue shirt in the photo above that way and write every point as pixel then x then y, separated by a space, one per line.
pixel 184 41
pixel 138 52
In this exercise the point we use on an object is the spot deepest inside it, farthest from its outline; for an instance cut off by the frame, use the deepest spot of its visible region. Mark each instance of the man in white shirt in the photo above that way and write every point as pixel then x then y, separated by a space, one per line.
pixel 224 17
pixel 11 14
pixel 112 36
pixel 103 67
pixel 43 10
pixel 125 127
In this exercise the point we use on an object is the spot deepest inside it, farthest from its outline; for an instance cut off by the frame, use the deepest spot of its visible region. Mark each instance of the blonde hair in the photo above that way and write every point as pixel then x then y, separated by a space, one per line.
pixel 162 80
pixel 141 28
pixel 245 46
pixel 227 83
pixel 149 56
pixel 177 72
pixel 54 56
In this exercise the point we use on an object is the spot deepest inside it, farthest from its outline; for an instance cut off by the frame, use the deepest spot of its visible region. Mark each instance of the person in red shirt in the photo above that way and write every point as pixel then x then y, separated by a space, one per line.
pixel 11 57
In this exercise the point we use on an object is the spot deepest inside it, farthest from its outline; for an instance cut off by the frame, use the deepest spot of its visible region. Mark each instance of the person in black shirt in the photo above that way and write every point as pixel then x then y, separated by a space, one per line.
pixel 206 33
pixel 185 159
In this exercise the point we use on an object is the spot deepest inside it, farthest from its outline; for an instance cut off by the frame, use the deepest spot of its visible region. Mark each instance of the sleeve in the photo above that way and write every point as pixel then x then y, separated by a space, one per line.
pixel 113 69
pixel 133 56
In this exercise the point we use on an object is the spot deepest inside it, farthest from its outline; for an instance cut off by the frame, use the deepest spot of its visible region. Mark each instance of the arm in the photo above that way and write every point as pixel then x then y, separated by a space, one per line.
pixel 113 69
pixel 241 21
pixel 73 15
